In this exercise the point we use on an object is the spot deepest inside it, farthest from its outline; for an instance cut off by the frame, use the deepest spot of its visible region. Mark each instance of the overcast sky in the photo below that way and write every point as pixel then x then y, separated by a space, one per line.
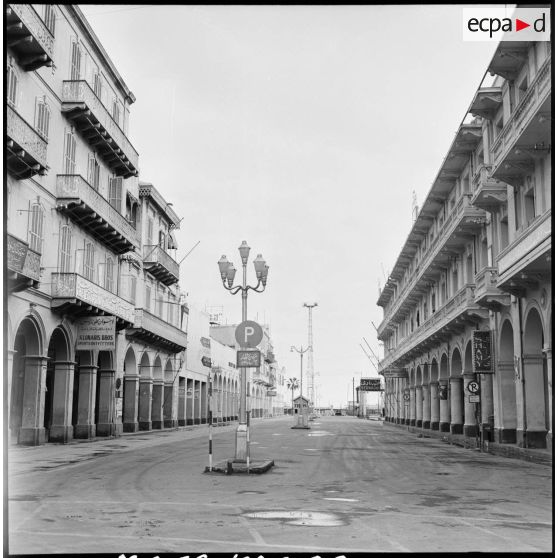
pixel 304 131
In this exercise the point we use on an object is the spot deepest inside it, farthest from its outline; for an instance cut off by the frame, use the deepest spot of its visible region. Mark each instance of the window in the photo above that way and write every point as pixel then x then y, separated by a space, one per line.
pixel 147 301
pixel 159 304
pixel 150 231
pixel 12 81
pixel 133 288
pixel 529 200
pixel 109 275
pixel 70 152
pixel 36 215
pixel 65 248
pixel 517 205
pixel 97 85
pixel 43 118
pixel 115 193
pixel 75 65
pixel 162 240
pixel 93 172
pixel 49 16
pixel 89 262
pixel 433 302
pixel 116 111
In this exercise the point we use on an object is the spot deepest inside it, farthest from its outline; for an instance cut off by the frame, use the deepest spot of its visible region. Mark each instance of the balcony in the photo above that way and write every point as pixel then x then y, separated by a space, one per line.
pixel 449 320
pixel 76 198
pixel 527 133
pixel 486 102
pixel 527 260
pixel 23 264
pixel 75 295
pixel 155 331
pixel 488 193
pixel 487 294
pixel 26 149
pixel 28 36
pixel 160 264
pixel 82 106
pixel 463 221
pixel 269 357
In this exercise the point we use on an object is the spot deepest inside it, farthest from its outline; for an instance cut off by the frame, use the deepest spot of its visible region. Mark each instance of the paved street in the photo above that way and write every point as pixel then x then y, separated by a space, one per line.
pixel 345 485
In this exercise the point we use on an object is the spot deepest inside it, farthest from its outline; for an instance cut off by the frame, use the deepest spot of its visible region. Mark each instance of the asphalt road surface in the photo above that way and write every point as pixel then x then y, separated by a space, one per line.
pixel 346 485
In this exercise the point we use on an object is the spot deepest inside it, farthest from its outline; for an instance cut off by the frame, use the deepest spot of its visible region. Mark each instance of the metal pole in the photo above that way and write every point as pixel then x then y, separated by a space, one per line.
pixel 353 396
pixel 210 421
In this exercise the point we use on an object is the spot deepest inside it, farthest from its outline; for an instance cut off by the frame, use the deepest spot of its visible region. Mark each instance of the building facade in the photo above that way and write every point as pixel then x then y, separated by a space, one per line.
pixel 478 259
pixel 95 324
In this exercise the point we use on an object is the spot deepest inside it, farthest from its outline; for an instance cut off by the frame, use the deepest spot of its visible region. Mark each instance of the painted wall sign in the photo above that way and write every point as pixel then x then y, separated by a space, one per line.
pixel 96 333
pixel 248 359
pixel 482 352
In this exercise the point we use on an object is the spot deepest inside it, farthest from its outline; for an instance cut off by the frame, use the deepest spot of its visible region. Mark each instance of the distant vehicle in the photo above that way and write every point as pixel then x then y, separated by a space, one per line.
pixel 338 413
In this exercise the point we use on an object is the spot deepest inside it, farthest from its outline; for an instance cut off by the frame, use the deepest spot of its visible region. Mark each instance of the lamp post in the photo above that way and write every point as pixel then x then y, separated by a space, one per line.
pixel 302 420
pixel 228 271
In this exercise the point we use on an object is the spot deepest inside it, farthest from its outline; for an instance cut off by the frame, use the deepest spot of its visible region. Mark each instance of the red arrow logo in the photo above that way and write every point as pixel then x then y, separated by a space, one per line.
pixel 519 25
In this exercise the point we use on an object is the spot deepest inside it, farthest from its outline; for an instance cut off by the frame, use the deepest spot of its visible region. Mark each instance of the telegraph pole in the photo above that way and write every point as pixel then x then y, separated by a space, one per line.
pixel 310 359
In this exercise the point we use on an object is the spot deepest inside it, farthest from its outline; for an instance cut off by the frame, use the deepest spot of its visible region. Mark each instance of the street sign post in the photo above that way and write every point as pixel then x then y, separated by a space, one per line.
pixel 248 334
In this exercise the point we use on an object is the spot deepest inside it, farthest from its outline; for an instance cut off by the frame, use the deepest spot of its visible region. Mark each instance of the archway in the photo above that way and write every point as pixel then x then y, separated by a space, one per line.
pixel 456 393
pixel 145 392
pixel 434 397
pixel 26 381
pixel 506 429
pixel 105 411
pixel 418 396
pixel 128 407
pixel 157 421
pixel 536 424
pixel 57 415
pixel 168 395
pixel 443 394
pixel 470 408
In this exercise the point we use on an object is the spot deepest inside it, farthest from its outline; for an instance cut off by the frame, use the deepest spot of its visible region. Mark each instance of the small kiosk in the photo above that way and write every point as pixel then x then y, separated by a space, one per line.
pixel 301 409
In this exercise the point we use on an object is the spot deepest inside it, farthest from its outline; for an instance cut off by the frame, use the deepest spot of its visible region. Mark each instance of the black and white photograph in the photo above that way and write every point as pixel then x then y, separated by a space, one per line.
pixel 278 279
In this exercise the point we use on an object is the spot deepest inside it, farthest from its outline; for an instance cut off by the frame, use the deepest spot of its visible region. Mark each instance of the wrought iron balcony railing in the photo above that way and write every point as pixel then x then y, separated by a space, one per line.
pixel 23 263
pixel 27 150
pixel 28 36
pixel 81 105
pixel 73 293
pixel 89 209
pixel 152 329
pixel 160 264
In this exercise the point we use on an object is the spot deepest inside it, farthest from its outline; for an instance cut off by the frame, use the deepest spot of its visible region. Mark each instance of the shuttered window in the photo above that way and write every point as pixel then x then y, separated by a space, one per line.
pixel 50 17
pixel 70 153
pixel 12 80
pixel 36 219
pixel 75 65
pixel 43 118
pixel 65 249
pixel 116 111
pixel 149 231
pixel 109 275
pixel 93 172
pixel 89 262
pixel 147 301
pixel 97 85
pixel 133 288
pixel 115 193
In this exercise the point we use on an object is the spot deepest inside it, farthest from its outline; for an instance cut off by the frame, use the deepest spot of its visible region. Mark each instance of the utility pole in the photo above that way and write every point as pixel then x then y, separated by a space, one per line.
pixel 310 359
pixel 353 396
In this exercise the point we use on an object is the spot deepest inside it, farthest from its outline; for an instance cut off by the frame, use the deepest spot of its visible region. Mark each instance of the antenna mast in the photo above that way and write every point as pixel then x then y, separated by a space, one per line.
pixel 310 359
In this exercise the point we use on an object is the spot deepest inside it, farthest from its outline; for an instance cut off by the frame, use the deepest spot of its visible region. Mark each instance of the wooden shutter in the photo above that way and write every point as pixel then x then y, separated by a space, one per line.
pixel 75 71
pixel 115 193
pixel 70 153
pixel 36 228
pixel 65 248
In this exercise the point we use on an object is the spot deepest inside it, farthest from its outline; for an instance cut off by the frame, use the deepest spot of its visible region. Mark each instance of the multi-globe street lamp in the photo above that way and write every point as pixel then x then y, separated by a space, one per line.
pixel 302 420
pixel 228 271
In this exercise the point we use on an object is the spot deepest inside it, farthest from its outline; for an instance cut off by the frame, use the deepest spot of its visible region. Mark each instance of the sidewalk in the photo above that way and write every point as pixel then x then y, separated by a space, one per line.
pixel 541 456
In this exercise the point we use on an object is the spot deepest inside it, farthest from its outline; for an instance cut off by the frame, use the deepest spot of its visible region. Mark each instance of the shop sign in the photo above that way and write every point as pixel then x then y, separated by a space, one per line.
pixel 482 352
pixel 96 333
pixel 371 384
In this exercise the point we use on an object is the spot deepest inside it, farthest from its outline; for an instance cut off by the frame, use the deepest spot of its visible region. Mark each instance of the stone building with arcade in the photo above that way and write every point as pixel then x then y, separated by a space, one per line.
pixel 478 259
pixel 95 326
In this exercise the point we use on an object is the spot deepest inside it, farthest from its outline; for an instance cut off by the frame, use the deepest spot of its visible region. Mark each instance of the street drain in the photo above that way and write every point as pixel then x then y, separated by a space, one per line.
pixel 310 519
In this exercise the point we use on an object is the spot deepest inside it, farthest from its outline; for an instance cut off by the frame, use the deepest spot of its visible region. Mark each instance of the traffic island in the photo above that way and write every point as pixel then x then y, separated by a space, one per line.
pixel 232 467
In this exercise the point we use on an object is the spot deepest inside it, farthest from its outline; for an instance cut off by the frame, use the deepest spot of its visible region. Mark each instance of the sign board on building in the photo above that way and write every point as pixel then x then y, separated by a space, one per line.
pixel 482 352
pixel 96 332
pixel 248 334
pixel 206 361
pixel 473 387
pixel 371 384
pixel 474 398
pixel 248 359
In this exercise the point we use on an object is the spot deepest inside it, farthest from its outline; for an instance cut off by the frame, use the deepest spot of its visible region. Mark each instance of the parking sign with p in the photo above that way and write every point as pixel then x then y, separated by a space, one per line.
pixel 248 334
